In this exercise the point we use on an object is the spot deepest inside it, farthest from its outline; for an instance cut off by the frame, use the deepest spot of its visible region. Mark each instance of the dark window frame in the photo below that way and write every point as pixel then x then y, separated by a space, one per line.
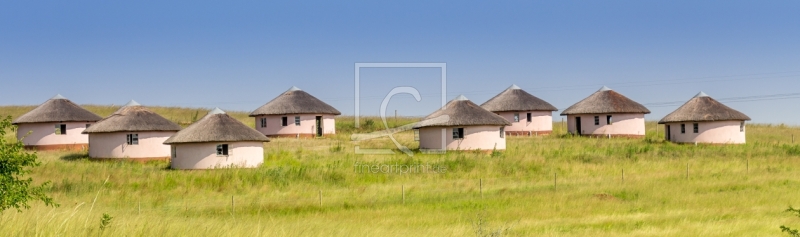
pixel 516 117
pixel 696 128
pixel 458 133
pixel 60 129
pixel 296 120
pixel 223 150
pixel 284 121
pixel 609 120
pixel 263 122
pixel 596 120
pixel 132 138
pixel 502 132
pixel 683 128
pixel 529 117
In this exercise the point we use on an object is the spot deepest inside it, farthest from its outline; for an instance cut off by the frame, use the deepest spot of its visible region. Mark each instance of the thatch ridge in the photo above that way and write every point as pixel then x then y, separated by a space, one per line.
pixel 516 99
pixel 133 118
pixel 462 112
pixel 57 109
pixel 606 101
pixel 703 108
pixel 217 127
pixel 295 101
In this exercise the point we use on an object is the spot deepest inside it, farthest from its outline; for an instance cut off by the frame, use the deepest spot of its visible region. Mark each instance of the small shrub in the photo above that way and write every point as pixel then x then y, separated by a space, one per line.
pixel 790 231
pixel 105 221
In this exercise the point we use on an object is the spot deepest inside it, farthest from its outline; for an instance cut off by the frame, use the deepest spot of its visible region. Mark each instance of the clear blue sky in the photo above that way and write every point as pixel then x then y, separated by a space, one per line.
pixel 238 56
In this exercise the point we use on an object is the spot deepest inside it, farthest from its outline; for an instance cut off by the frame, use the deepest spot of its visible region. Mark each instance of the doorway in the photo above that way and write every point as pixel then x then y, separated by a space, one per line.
pixel 578 125
pixel 668 133
pixel 318 122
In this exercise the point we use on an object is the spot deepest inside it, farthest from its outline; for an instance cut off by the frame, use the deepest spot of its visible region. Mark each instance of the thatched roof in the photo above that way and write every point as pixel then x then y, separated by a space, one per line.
pixel 217 126
pixel 606 101
pixel 133 117
pixel 462 112
pixel 516 99
pixel 57 109
pixel 703 108
pixel 295 101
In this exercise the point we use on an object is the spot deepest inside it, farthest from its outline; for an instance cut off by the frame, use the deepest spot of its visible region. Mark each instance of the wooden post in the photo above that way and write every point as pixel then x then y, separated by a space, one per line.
pixel 403 189
pixel 687 171
pixel 480 184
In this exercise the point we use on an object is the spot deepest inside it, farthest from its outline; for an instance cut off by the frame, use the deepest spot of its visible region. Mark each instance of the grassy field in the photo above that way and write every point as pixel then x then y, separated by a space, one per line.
pixel 540 186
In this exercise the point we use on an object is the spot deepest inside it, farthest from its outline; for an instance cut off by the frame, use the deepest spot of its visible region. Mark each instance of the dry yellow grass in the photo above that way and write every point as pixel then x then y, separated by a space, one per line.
pixel 731 190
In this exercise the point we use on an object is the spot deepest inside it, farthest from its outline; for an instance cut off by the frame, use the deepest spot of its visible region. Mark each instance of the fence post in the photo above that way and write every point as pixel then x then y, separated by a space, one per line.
pixel 480 184
pixel 687 171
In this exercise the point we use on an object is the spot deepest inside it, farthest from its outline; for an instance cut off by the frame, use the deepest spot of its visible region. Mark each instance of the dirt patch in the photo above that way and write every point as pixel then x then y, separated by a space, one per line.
pixel 605 197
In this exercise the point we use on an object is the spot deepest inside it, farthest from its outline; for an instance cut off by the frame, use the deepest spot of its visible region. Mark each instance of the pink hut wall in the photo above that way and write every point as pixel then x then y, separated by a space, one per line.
pixel 43 134
pixel 204 155
pixel 622 125
pixel 541 121
pixel 307 125
pixel 717 132
pixel 115 145
pixel 475 137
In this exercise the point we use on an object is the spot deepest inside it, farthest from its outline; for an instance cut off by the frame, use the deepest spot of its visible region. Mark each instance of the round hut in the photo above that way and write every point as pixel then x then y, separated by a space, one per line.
pixel 131 133
pixel 703 119
pixel 217 141
pixel 56 124
pixel 462 125
pixel 529 115
pixel 606 113
pixel 295 113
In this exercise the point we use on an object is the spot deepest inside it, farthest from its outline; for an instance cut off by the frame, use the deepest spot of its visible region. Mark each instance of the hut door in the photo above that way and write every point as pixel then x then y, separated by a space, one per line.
pixel 669 137
pixel 319 126
pixel 578 125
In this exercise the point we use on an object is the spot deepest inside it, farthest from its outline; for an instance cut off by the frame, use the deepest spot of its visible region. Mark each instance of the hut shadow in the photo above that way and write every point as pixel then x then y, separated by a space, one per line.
pixel 75 157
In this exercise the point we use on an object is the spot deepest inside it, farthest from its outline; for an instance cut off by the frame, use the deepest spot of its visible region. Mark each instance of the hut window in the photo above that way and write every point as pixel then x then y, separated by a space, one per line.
pixel 416 134
pixel 263 122
pixel 529 117
pixel 608 119
pixel 741 127
pixel 516 117
pixel 296 120
pixel 133 139
pixel 222 149
pixel 596 120
pixel 502 132
pixel 683 128
pixel 174 152
pixel 61 129
pixel 284 121
pixel 696 128
pixel 458 133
